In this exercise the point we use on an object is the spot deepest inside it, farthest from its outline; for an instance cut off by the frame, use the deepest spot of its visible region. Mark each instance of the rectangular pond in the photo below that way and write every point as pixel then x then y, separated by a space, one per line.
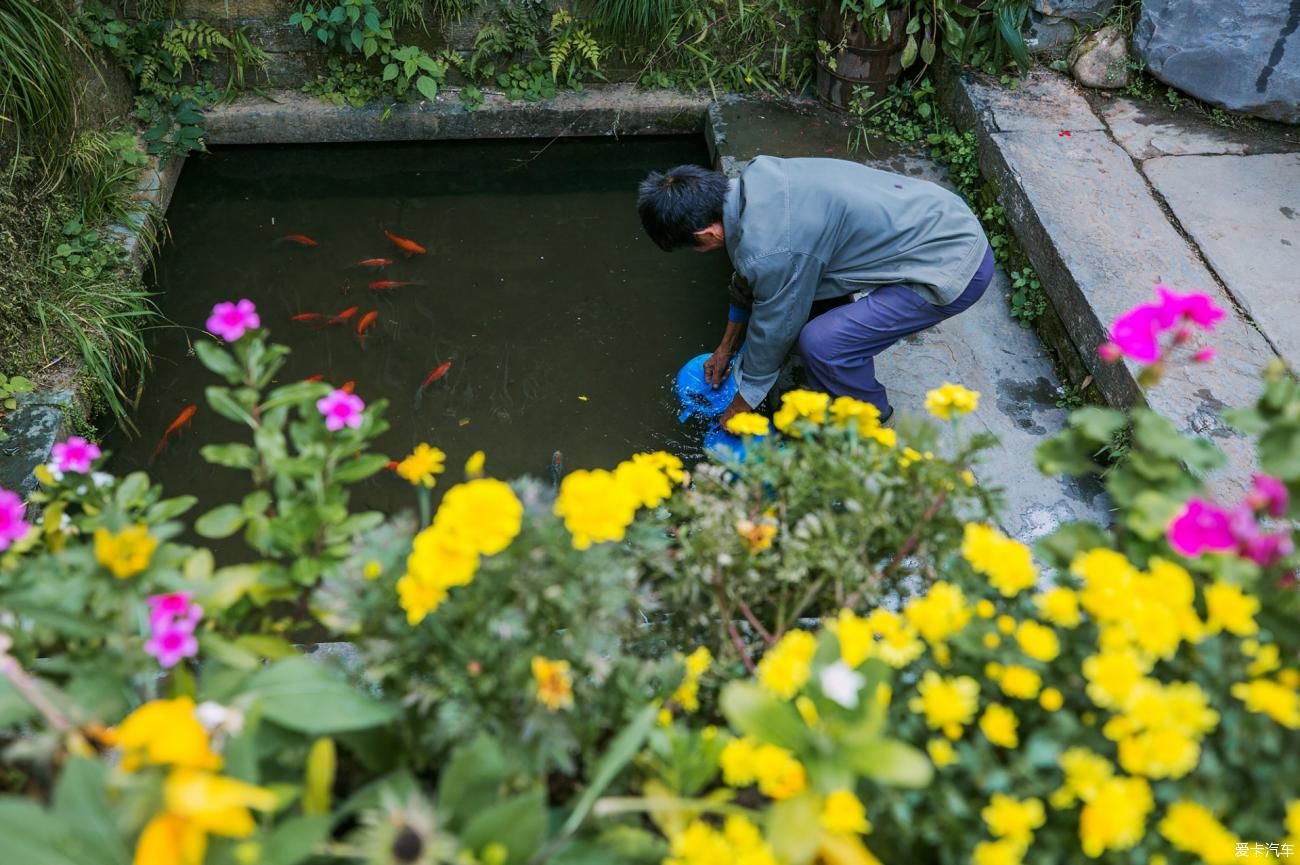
pixel 563 323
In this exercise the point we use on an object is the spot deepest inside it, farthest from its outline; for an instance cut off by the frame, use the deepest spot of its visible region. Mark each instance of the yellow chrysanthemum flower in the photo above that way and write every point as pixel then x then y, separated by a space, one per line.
pixel 940 614
pixel 899 643
pixel 997 853
pixel 596 507
pixel 419 597
pixel 163 733
pixel 947 703
pixel 951 399
pixel 1115 817
pixel 1190 827
pixel 1267 697
pixel 670 465
pixel 484 515
pixel 855 637
pixel 843 814
pixel 1007 563
pixel 197 804
pixel 422 466
pixel 696 665
pixel 787 665
pixel 1085 772
pixel 757 536
pixel 1038 641
pixel 442 558
pixel 941 752
pixel 1051 699
pixel 998 724
pixel 1020 683
pixel 800 405
pixel 1013 819
pixel 847 412
pixel 127 552
pixel 748 423
pixel 554 683
pixel 778 773
pixel 1230 609
pixel 1060 606
pixel 647 484
pixel 1112 675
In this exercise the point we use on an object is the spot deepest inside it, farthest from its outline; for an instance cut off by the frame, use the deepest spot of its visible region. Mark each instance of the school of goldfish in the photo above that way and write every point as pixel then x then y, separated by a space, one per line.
pixel 366 323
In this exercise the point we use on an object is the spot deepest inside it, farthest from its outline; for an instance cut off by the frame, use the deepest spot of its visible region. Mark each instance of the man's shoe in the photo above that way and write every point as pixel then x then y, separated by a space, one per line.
pixel 888 420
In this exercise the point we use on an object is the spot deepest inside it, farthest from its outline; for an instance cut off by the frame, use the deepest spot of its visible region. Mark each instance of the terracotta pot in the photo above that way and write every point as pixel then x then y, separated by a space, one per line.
pixel 863 60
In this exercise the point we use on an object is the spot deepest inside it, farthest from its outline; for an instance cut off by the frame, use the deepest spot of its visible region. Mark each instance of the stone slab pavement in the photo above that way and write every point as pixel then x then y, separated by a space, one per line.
pixel 983 348
pixel 1244 214
pixel 1100 239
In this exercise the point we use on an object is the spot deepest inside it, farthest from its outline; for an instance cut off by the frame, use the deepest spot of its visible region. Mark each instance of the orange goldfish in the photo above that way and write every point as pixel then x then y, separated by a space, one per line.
pixel 182 420
pixel 367 321
pixel 300 239
pixel 437 373
pixel 316 377
pixel 405 244
pixel 374 262
pixel 348 386
pixel 342 317
pixel 385 284
pixel 305 316
pixel 391 465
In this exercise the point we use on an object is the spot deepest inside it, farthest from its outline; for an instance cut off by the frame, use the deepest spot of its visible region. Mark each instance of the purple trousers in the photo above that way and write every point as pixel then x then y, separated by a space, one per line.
pixel 840 342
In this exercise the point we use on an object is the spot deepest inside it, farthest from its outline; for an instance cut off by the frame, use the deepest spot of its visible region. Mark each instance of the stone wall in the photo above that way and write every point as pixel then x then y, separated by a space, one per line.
pixel 296 58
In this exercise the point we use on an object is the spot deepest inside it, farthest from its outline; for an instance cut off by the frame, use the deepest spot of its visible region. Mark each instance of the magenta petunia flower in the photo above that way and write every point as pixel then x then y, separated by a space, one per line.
pixel 1266 550
pixel 75 455
pixel 230 320
pixel 174 607
pixel 1205 354
pixel 169 645
pixel 1135 333
pixel 1200 309
pixel 340 409
pixel 1268 494
pixel 12 524
pixel 1199 527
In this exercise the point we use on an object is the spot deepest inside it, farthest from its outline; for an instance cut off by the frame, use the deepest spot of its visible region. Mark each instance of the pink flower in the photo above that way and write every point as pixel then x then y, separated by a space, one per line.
pixel 75 455
pixel 1204 355
pixel 1109 352
pixel 1195 307
pixel 1265 550
pixel 230 320
pixel 173 608
pixel 1134 333
pixel 172 643
pixel 1268 494
pixel 12 524
pixel 340 409
pixel 1201 526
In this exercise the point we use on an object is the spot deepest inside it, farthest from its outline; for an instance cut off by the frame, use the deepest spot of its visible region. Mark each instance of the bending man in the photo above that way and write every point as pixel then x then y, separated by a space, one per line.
pixel 844 258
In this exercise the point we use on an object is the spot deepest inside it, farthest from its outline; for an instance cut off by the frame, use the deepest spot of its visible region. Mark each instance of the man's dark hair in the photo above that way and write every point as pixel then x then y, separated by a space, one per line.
pixel 679 202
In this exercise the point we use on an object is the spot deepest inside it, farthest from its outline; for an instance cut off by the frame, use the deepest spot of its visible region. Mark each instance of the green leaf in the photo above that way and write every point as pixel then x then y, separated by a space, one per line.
pixel 892 763
pixel 471 780
pixel 267 646
pixel 33 836
pixel 390 71
pixel 359 468
pixel 909 52
pixel 427 87
pixel 1098 424
pixel 1279 451
pixel 293 394
pixel 220 522
pixel 927 52
pixel 372 21
pixel 294 840
pixel 131 490
pixel 311 698
pixel 1150 514
pixel 14 708
pixel 756 712
pixel 232 456
pixel 225 405
pixel 619 753
pixel 169 509
pixel 518 823
pixel 792 828
pixel 218 648
pixel 79 798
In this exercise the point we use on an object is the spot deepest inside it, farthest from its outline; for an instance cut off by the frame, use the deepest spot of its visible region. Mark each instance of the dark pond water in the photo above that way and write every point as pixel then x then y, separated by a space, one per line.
pixel 563 323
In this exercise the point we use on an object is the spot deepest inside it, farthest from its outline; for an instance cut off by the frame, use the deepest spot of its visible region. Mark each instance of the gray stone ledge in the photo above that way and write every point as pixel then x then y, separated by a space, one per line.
pixel 288 117
pixel 1099 242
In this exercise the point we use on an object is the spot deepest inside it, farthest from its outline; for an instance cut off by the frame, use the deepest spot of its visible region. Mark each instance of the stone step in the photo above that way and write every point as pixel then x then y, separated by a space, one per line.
pixel 1100 241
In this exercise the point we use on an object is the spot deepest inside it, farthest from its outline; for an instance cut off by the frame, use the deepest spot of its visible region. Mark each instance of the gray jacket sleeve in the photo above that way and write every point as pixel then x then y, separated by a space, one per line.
pixel 784 284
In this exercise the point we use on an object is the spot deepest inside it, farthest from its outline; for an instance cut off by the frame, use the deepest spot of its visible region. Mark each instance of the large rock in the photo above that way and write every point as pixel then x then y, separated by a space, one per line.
pixel 1242 55
pixel 1082 11
pixel 1101 60
pixel 1049 37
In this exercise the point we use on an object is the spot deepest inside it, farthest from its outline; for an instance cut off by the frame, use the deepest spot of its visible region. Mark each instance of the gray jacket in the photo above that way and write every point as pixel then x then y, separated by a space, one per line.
pixel 799 230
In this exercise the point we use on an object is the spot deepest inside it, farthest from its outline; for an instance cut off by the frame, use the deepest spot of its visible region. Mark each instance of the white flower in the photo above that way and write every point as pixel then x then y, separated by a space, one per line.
pixel 841 684
pixel 218 718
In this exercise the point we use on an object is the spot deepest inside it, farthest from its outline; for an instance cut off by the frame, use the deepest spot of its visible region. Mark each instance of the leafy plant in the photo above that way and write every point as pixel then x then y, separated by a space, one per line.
pixel 355 26
pixel 36 80
pixel 10 388
pixel 1028 301
pixel 348 82
pixel 173 127
pixel 410 65
pixel 572 50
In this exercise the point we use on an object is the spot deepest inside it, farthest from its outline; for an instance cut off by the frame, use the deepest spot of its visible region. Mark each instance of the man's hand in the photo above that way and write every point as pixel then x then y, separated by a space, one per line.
pixel 737 406
pixel 718 365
